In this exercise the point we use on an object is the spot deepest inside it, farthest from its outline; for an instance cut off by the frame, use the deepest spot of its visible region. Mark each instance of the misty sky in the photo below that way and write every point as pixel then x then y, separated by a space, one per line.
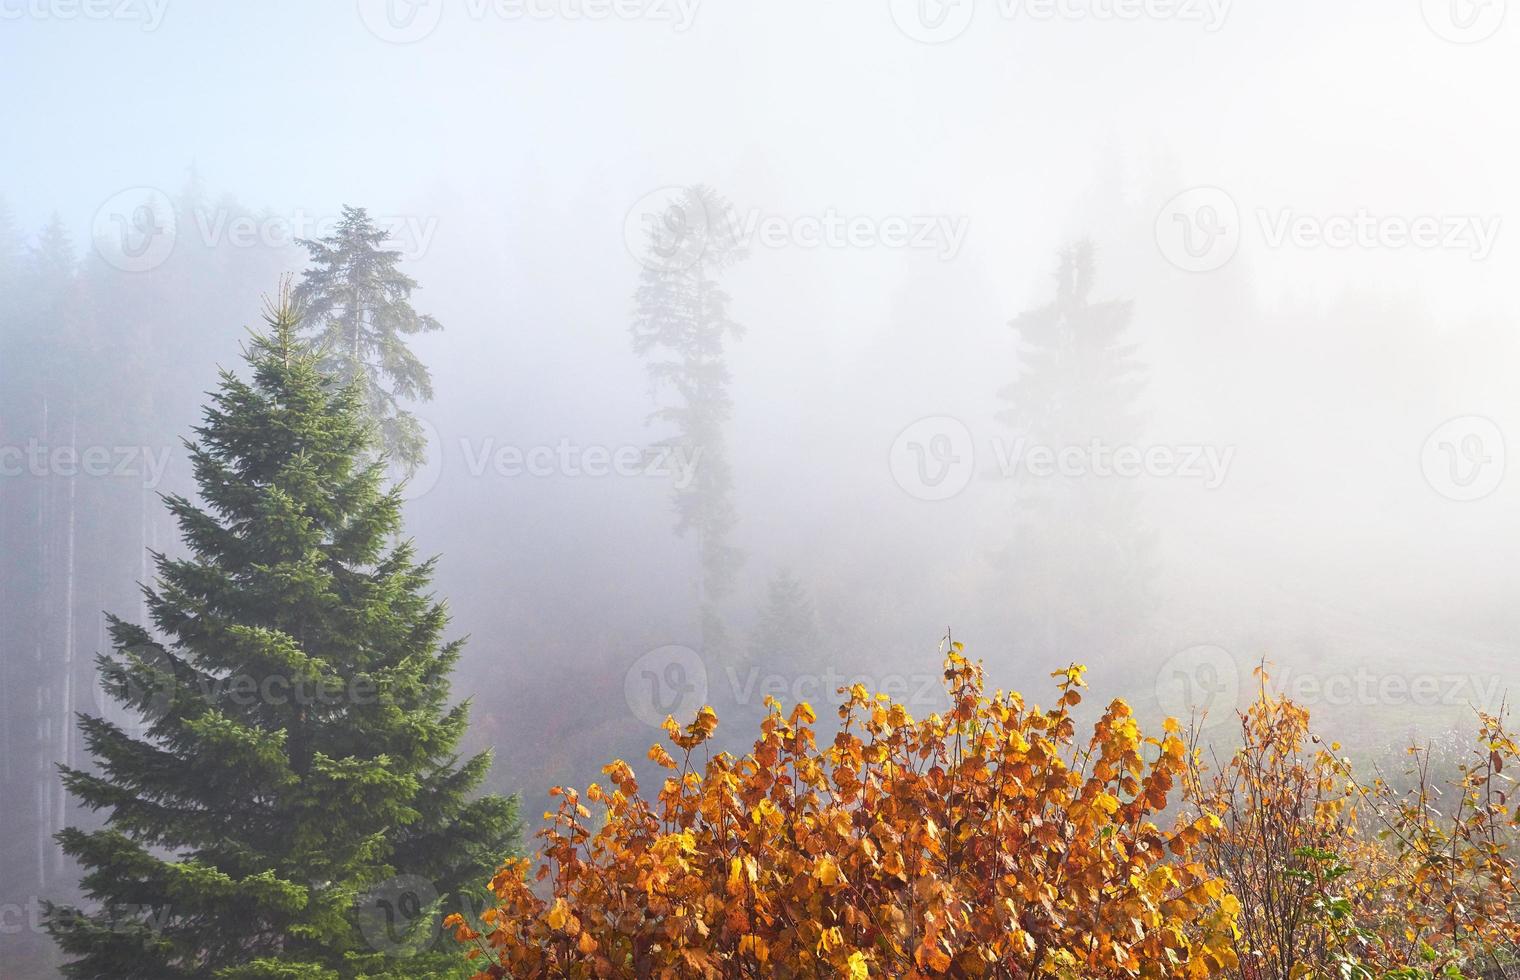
pixel 519 146
pixel 785 105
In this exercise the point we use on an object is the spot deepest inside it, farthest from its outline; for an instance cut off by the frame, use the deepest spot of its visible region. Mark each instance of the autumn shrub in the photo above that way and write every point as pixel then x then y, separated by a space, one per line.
pixel 1343 877
pixel 990 841
pixel 1289 818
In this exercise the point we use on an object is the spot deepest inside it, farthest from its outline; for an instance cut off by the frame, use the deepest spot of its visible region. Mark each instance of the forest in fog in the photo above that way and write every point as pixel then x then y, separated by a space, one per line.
pixel 413 410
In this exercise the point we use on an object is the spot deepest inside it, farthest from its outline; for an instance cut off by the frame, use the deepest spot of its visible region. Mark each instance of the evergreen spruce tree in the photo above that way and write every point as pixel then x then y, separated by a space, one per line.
pixel 784 647
pixel 356 304
pixel 681 324
pixel 787 634
pixel 299 750
pixel 1080 560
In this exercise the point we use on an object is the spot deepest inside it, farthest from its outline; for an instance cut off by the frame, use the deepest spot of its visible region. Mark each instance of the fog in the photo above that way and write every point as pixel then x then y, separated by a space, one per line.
pixel 1278 233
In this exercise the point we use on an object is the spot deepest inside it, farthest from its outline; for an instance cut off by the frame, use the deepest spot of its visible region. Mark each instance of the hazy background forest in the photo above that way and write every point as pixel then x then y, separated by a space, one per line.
pixel 976 257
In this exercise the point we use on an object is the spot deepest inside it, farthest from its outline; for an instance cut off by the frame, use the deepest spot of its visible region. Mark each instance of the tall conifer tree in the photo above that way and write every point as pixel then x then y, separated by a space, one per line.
pixel 299 747
pixel 356 304
pixel 681 325
pixel 1080 560
pixel 786 636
